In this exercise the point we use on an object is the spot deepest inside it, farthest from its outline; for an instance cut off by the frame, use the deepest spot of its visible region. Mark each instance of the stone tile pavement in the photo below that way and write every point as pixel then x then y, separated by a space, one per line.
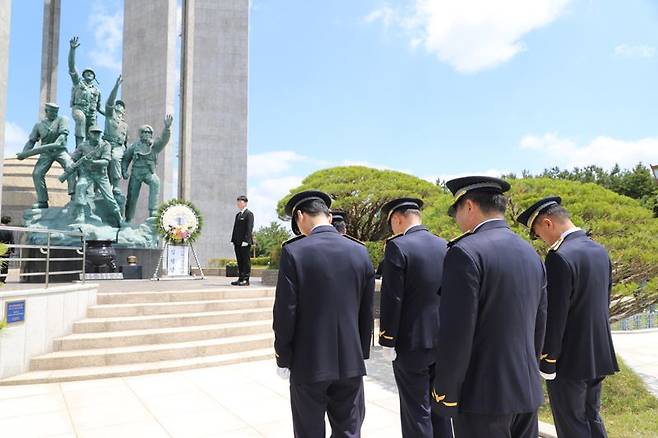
pixel 245 400
pixel 639 349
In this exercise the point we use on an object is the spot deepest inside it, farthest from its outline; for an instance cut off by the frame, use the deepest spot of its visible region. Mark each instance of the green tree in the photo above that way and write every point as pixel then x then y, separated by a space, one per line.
pixel 637 183
pixel 266 238
pixel 361 192
pixel 619 223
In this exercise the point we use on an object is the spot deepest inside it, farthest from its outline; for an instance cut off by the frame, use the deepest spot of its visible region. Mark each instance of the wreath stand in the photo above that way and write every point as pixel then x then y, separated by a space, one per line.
pixel 186 276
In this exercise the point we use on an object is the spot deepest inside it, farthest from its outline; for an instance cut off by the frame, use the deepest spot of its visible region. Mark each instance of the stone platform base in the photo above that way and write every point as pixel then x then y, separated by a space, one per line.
pixel 146 257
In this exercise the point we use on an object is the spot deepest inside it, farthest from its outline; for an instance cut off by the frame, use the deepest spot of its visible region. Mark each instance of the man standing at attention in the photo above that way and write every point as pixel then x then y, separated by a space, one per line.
pixel 578 351
pixel 411 279
pixel 242 240
pixel 323 320
pixel 493 316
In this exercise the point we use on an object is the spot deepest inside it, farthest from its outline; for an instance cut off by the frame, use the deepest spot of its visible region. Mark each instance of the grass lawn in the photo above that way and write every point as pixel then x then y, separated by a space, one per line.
pixel 628 409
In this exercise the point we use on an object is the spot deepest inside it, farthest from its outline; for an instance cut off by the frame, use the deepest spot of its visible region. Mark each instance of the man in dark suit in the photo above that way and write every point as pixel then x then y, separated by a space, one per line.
pixel 323 320
pixel 339 221
pixel 493 316
pixel 6 237
pixel 242 240
pixel 411 279
pixel 578 351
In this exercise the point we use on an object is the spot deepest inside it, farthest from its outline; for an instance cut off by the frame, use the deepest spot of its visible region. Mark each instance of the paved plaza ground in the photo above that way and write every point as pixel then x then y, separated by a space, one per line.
pixel 244 400
pixel 639 349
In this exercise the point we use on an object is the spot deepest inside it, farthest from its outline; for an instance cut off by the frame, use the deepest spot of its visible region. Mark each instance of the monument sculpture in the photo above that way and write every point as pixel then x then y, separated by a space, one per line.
pixel 144 156
pixel 92 158
pixel 85 96
pixel 95 169
pixel 116 133
pixel 52 133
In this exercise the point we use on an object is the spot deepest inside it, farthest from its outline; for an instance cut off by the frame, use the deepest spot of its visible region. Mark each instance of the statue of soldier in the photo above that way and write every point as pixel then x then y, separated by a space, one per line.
pixel 116 134
pixel 52 132
pixel 92 158
pixel 85 96
pixel 144 155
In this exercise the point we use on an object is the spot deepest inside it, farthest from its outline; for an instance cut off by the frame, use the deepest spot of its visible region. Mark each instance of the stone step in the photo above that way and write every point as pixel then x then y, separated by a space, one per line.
pixel 100 357
pixel 184 295
pixel 103 372
pixel 86 341
pixel 169 308
pixel 95 325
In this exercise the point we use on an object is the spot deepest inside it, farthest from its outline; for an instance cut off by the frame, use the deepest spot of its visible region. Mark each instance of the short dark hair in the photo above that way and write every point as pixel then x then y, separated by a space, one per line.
pixel 314 207
pixel 556 211
pixel 340 226
pixel 489 202
pixel 242 198
pixel 6 220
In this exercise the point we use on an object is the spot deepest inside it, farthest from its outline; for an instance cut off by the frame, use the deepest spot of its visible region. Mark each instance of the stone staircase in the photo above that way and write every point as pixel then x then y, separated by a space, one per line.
pixel 131 333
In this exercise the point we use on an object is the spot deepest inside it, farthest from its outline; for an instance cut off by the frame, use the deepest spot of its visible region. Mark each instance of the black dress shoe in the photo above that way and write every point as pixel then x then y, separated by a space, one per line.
pixel 243 283
pixel 235 283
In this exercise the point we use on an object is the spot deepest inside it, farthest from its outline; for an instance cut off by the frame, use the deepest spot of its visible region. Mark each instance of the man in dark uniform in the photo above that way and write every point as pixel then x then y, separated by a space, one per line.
pixel 578 351
pixel 242 240
pixel 339 221
pixel 323 320
pixel 6 237
pixel 412 271
pixel 493 315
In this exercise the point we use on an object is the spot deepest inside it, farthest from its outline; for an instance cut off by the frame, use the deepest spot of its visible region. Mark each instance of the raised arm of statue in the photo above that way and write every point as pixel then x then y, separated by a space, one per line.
pixel 74 44
pixel 162 141
pixel 109 105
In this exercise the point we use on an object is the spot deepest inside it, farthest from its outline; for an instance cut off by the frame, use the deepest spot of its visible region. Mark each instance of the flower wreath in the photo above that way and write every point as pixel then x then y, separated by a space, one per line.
pixel 179 221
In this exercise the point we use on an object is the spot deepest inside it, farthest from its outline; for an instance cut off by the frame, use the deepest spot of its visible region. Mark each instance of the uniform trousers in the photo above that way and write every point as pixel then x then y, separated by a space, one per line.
pixel 471 425
pixel 414 373
pixel 575 405
pixel 242 256
pixel 342 401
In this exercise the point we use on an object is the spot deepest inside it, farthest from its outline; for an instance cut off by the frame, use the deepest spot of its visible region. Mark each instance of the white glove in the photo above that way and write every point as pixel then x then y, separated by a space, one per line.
pixel 548 376
pixel 284 373
pixel 245 244
pixel 389 354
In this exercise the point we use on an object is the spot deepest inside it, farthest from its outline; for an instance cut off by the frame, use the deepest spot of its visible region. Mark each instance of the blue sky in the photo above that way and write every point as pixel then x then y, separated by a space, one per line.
pixel 435 88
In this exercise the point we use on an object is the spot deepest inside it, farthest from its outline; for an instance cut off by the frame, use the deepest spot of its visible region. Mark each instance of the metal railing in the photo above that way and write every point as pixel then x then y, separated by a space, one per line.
pixel 645 320
pixel 22 235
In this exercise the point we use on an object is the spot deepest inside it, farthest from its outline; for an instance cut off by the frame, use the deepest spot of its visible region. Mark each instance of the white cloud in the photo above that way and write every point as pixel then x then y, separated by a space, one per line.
pixel 264 196
pixel 471 35
pixel 108 35
pixel 277 162
pixel 15 138
pixel 635 51
pixel 602 151
pixel 385 14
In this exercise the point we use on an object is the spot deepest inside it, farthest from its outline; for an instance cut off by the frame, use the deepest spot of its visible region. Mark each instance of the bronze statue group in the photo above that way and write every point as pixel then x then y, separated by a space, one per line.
pixel 101 158
pixel 472 326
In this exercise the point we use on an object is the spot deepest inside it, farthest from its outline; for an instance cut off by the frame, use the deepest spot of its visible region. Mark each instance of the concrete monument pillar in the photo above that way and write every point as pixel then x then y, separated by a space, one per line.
pixel 213 130
pixel 49 52
pixel 149 79
pixel 5 21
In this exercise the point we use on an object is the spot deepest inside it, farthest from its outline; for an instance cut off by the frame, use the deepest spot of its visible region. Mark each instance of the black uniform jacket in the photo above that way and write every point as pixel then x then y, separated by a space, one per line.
pixel 578 342
pixel 324 307
pixel 493 316
pixel 412 273
pixel 243 227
